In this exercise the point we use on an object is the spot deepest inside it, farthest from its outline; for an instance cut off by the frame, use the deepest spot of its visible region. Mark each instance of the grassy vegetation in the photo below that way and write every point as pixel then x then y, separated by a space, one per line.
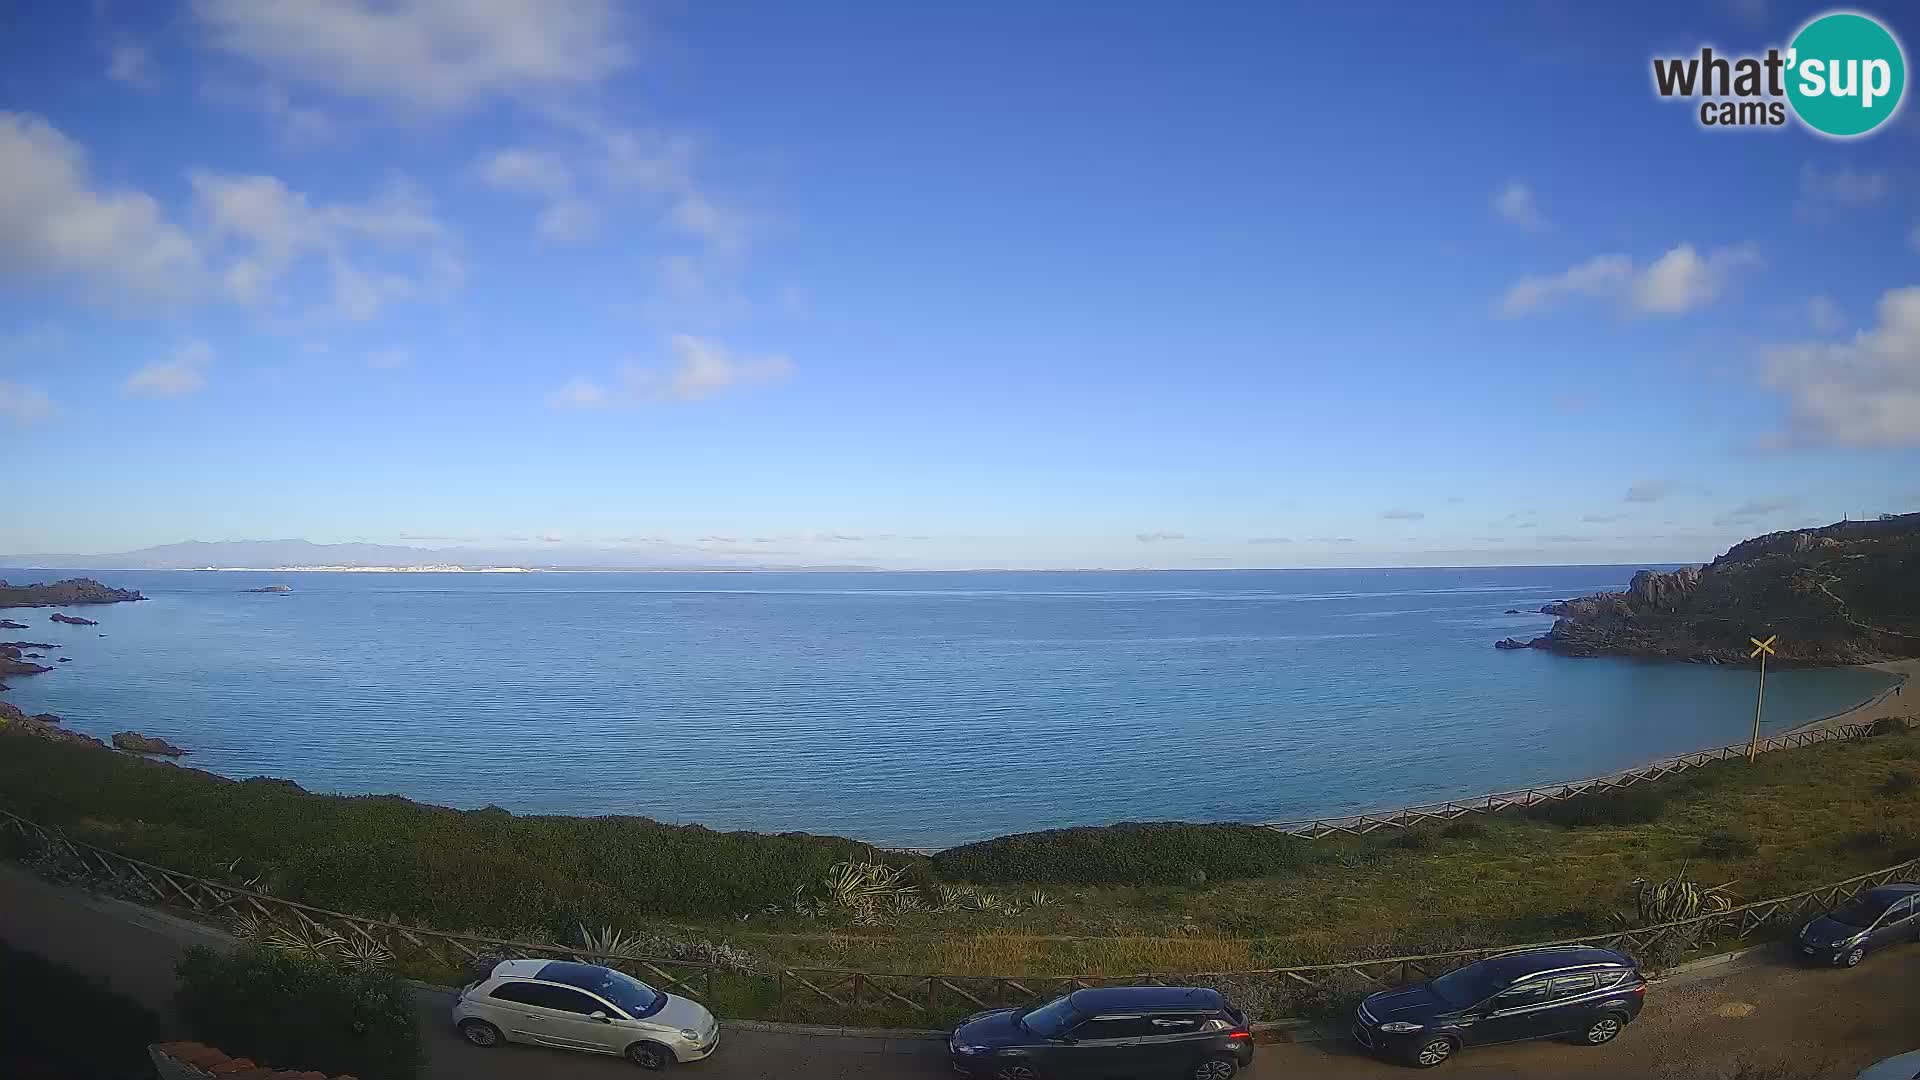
pixel 295 1013
pixel 1123 900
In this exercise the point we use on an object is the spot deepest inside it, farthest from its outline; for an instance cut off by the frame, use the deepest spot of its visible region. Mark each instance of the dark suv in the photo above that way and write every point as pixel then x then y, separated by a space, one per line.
pixel 1115 1031
pixel 1588 994
pixel 1878 917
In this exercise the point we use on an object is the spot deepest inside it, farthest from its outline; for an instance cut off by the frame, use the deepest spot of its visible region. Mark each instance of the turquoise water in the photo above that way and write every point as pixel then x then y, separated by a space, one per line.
pixel 908 709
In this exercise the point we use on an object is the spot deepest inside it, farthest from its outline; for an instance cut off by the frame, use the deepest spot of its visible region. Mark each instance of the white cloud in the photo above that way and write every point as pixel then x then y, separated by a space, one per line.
pixel 1403 515
pixel 183 372
pixel 389 358
pixel 424 55
pixel 527 172
pixel 567 221
pixel 1679 281
pixel 1754 510
pixel 1861 392
pixel 54 222
pixel 1517 205
pixel 1601 519
pixel 701 369
pixel 1647 491
pixel 717 225
pixel 1270 540
pixel 1158 537
pixel 128 62
pixel 1824 314
pixel 21 404
pixel 1822 193
pixel 580 392
pixel 388 248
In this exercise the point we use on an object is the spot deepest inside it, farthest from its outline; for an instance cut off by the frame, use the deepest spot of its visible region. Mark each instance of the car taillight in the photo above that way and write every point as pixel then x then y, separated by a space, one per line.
pixel 1641 989
pixel 1240 1034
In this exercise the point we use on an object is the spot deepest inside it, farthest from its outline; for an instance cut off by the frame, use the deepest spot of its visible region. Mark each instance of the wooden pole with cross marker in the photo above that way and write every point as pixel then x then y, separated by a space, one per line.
pixel 1761 649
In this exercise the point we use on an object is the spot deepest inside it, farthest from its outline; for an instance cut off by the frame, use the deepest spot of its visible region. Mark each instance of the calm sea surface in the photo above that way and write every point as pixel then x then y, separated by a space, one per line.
pixel 911 709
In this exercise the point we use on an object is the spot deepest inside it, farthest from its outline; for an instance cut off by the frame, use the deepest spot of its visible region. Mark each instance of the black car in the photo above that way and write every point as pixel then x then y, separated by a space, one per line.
pixel 1884 916
pixel 1114 1031
pixel 1574 991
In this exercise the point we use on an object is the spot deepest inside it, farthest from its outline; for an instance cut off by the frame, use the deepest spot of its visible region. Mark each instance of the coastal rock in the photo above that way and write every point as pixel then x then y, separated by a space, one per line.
pixel 9 624
pixel 1513 611
pixel 72 620
pixel 11 712
pixel 16 646
pixel 11 666
pixel 36 656
pixel 63 594
pixel 44 718
pixel 1662 592
pixel 272 589
pixel 51 732
pixel 1510 643
pixel 66 659
pixel 134 742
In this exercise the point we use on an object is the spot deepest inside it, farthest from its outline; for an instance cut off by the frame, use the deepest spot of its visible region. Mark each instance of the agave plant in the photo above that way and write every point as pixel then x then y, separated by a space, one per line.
pixel 609 943
pixel 251 928
pixel 1677 898
pixel 362 953
pixel 1039 899
pixel 304 940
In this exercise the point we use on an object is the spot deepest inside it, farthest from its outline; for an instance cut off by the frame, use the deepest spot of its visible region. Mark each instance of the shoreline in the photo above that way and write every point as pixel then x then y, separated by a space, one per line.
pixel 1890 702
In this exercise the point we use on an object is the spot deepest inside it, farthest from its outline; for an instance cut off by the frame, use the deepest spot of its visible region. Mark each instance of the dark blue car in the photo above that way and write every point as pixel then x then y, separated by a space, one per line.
pixel 1574 992
pixel 1875 919
pixel 1145 1032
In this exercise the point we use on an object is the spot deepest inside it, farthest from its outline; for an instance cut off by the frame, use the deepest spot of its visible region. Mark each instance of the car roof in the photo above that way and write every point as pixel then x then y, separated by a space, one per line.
pixel 1106 999
pixel 519 969
pixel 1891 891
pixel 1518 965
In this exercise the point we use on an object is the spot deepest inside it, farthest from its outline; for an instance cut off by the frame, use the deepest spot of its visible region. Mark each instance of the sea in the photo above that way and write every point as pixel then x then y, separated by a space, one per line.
pixel 904 709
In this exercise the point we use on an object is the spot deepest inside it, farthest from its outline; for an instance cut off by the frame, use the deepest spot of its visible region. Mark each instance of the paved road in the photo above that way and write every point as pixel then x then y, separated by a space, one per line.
pixel 1827 1022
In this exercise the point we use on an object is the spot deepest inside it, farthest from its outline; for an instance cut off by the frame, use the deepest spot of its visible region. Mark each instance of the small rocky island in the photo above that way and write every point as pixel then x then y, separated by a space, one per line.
pixel 72 620
pixel 71 592
pixel 1847 593
pixel 136 743
pixel 271 589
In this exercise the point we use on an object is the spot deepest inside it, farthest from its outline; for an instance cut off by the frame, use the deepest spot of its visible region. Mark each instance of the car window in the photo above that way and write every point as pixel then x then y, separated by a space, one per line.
pixel 1112 1027
pixel 1464 986
pixel 519 993
pixel 1051 1020
pixel 564 1000
pixel 1567 986
pixel 1612 978
pixel 1861 912
pixel 1527 993
pixel 1174 1025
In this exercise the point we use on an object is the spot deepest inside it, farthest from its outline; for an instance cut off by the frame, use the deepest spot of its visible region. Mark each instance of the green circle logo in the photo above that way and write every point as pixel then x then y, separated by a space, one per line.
pixel 1846 74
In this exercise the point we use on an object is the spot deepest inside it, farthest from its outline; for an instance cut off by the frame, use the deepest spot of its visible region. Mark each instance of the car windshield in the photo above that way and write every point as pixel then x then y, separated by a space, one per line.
pixel 633 996
pixel 1464 986
pixel 1861 912
pixel 1052 1020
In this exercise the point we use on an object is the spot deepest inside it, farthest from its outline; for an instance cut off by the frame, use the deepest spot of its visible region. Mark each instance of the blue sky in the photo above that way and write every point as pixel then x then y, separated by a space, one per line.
pixel 959 285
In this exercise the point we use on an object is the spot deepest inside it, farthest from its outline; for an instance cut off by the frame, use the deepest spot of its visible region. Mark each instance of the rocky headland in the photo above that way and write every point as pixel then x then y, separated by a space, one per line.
pixel 1847 593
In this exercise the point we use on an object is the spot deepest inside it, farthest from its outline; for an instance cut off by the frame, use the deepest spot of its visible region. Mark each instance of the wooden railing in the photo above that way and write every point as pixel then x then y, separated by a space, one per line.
pixel 1520 798
pixel 848 993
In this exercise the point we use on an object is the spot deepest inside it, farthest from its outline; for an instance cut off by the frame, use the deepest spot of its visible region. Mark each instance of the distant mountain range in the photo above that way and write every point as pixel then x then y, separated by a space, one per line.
pixel 284 554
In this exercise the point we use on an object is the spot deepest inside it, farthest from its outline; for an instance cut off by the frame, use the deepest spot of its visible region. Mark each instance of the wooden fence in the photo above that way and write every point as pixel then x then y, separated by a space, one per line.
pixel 845 994
pixel 1406 816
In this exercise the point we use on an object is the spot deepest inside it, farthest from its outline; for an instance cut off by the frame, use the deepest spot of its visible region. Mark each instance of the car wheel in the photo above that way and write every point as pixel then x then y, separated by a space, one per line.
pixel 1853 958
pixel 1017 1071
pixel 480 1033
pixel 1215 1068
pixel 1604 1029
pixel 650 1056
pixel 1432 1053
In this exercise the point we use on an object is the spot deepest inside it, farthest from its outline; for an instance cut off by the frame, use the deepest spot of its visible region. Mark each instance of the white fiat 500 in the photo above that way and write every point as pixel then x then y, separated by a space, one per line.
pixel 584 1007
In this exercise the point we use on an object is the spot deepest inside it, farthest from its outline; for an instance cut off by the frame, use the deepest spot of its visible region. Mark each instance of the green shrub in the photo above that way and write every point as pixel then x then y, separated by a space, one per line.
pixel 1636 805
pixel 54 1022
pixel 1465 828
pixel 1128 854
pixel 299 1014
pixel 1727 844
pixel 430 865
pixel 1879 838
pixel 1899 782
pixel 1412 840
pixel 1334 998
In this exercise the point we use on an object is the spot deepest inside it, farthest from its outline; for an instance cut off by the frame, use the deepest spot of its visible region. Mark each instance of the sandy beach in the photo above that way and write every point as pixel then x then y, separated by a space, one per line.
pixel 1893 701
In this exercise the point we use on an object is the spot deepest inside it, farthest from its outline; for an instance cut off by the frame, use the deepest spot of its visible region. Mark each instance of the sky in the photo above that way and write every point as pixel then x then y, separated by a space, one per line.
pixel 964 285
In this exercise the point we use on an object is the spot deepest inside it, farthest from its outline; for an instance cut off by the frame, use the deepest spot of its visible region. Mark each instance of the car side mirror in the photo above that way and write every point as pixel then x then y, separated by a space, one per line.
pixel 600 1016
